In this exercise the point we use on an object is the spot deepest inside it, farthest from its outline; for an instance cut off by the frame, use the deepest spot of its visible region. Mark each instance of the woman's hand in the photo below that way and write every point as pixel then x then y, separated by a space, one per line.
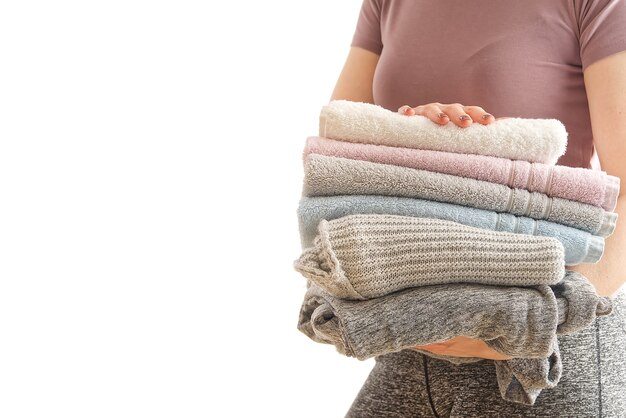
pixel 441 114
pixel 464 347
pixel 462 116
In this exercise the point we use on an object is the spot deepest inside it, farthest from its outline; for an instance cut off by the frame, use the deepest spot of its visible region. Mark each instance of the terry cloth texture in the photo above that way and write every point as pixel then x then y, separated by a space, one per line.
pixel 410 384
pixel 589 186
pixel 368 256
pixel 331 176
pixel 534 140
pixel 580 246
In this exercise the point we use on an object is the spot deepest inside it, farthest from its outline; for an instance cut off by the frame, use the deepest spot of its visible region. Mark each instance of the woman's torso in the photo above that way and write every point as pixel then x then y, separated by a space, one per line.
pixel 518 59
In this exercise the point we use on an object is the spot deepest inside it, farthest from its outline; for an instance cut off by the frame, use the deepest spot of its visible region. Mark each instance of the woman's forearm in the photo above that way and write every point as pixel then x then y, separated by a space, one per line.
pixel 609 274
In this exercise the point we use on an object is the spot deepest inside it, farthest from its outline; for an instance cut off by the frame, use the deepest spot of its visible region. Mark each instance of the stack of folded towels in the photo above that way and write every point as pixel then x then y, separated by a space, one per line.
pixel 415 233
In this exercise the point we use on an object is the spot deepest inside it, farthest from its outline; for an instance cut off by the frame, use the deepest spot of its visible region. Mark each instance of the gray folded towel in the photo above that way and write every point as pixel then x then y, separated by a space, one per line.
pixel 519 322
pixel 331 176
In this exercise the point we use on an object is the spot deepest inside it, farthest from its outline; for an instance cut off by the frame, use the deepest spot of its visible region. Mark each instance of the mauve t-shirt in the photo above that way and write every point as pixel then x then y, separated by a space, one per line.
pixel 513 58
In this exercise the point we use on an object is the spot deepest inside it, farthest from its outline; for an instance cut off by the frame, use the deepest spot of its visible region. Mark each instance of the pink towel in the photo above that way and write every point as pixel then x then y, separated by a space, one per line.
pixel 583 185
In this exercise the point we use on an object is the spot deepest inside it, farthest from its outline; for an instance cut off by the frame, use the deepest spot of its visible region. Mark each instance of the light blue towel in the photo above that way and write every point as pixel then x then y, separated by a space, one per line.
pixel 580 246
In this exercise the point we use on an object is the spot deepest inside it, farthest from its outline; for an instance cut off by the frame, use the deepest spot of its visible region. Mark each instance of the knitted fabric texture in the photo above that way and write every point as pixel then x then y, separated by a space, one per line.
pixel 534 140
pixel 368 256
pixel 331 176
pixel 515 321
pixel 580 246
pixel 583 185
pixel 519 322
pixel 520 380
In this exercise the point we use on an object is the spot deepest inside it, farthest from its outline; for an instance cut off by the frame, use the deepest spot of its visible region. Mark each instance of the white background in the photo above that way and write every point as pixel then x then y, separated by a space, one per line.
pixel 150 169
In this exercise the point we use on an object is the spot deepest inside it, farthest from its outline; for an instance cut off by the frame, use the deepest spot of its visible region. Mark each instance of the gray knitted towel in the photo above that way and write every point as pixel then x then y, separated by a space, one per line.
pixel 331 176
pixel 521 380
pixel 368 256
pixel 518 322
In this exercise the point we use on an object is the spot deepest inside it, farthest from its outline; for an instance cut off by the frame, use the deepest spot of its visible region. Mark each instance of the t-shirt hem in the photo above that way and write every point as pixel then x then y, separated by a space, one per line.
pixel 371 46
pixel 601 54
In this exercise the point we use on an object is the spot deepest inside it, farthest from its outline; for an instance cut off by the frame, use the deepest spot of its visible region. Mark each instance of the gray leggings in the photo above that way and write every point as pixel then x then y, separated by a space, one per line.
pixel 593 383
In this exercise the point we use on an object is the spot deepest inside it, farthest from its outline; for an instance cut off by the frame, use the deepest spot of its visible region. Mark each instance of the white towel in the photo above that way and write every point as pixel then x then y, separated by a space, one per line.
pixel 533 140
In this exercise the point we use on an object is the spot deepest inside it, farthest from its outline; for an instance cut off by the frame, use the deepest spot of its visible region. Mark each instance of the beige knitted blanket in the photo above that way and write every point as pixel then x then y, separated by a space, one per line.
pixel 368 256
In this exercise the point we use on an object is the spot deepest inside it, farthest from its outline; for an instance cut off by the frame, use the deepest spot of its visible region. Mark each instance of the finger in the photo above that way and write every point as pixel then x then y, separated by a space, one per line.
pixel 406 110
pixel 457 114
pixel 433 112
pixel 479 115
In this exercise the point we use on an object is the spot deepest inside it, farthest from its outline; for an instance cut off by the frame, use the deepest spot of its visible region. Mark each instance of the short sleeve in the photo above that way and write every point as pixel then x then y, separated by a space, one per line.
pixel 367 34
pixel 602 26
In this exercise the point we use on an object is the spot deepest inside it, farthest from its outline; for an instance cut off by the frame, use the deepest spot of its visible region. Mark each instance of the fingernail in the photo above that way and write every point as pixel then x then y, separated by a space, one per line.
pixel 486 115
pixel 442 115
pixel 464 117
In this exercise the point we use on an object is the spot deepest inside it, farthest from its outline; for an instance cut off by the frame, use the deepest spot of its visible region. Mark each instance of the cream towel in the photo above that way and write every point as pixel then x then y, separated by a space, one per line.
pixel 533 140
